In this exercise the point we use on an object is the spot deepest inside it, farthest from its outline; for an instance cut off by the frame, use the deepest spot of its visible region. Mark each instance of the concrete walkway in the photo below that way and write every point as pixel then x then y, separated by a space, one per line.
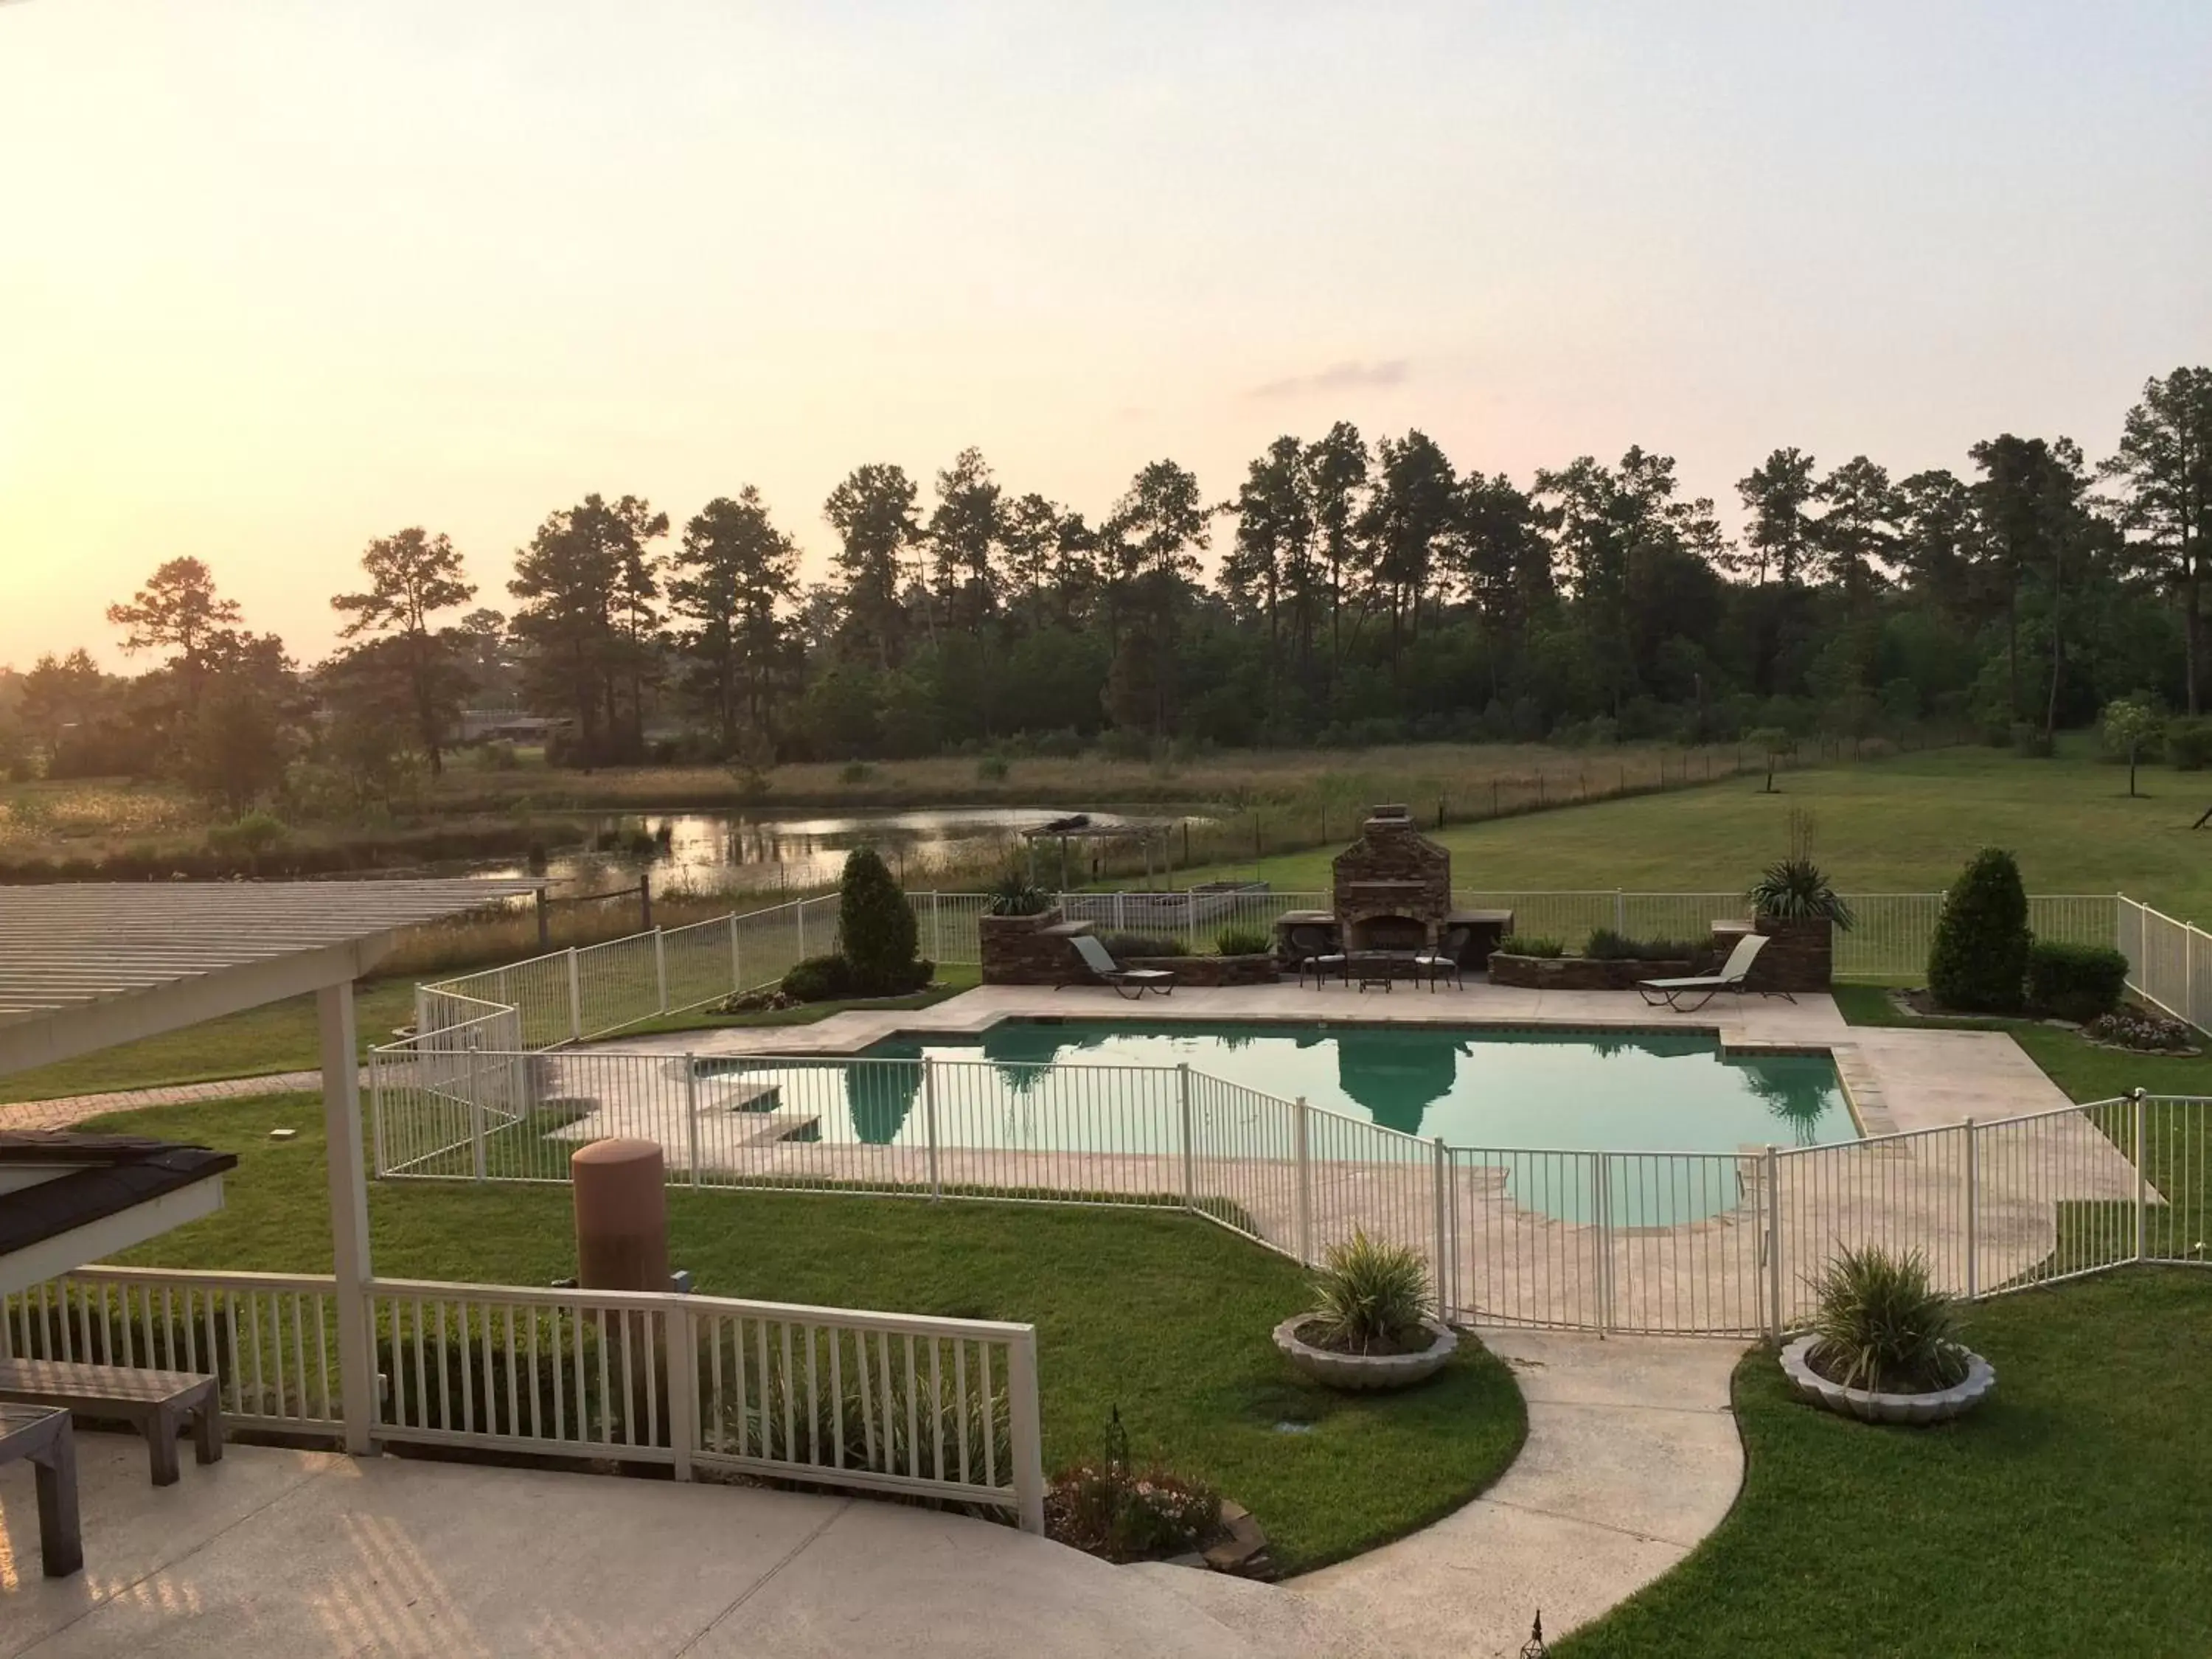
pixel 1632 1457
pixel 285 1554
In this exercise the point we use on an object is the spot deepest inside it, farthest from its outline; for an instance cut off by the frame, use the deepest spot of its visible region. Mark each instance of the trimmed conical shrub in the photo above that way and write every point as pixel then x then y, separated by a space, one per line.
pixel 875 927
pixel 1979 959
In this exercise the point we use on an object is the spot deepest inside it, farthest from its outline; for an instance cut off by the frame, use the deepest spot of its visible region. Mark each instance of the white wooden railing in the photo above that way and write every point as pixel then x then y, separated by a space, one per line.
pixel 900 1403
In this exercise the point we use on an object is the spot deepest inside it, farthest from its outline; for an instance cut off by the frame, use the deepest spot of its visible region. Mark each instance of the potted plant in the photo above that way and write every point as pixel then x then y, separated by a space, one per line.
pixel 1011 933
pixel 1371 1326
pixel 1795 904
pixel 1884 1345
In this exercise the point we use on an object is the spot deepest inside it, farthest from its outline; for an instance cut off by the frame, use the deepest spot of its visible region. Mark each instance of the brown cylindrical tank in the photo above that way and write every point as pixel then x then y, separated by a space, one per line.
pixel 622 1215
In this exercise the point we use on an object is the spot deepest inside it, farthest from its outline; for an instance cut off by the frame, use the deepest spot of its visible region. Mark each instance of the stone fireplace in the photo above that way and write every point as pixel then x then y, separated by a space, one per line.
pixel 1392 887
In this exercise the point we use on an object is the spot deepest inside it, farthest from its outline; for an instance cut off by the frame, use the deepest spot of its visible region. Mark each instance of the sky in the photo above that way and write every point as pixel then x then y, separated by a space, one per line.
pixel 278 278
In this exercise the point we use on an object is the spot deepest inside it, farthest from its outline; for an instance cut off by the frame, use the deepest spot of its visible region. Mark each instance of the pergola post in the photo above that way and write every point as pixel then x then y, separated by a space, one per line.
pixel 350 1261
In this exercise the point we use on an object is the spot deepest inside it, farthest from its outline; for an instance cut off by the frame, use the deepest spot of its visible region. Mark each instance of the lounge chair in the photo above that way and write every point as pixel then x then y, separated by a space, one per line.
pixel 1131 982
pixel 1731 977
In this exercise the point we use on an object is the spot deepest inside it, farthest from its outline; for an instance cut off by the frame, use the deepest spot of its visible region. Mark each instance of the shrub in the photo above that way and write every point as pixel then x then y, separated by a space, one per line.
pixel 1015 895
pixel 1881 1325
pixel 2132 1028
pixel 2074 981
pixel 2189 743
pixel 1978 962
pixel 2031 742
pixel 1242 942
pixel 857 771
pixel 875 926
pixel 1121 946
pixel 1795 888
pixel 1065 744
pixel 1609 946
pixel 1370 1297
pixel 1527 944
pixel 820 979
pixel 1107 1509
pixel 250 836
pixel 992 768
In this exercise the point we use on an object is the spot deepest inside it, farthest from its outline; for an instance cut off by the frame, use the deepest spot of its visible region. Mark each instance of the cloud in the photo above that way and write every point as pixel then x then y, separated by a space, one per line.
pixel 1337 377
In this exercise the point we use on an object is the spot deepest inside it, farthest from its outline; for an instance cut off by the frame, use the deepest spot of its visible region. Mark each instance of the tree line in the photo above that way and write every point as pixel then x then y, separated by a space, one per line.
pixel 1362 591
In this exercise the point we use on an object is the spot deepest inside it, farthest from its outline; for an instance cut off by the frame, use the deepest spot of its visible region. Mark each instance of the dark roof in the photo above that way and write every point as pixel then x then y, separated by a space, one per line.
pixel 118 1172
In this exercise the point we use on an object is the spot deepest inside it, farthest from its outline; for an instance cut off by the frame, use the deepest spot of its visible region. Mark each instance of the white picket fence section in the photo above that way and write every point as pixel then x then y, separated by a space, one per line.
pixel 898 1403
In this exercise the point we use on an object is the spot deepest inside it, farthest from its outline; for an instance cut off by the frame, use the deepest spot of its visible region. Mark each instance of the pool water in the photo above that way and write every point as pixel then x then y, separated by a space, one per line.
pixel 1568 1091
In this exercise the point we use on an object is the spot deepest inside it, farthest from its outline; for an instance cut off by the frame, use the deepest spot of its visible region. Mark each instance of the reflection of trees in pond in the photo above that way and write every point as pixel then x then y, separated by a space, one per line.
pixel 1798 1092
pixel 1016 1051
pixel 1396 1075
pixel 879 1095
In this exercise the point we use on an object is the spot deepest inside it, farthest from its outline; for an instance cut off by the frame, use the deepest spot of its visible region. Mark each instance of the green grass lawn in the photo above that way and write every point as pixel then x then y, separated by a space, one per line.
pixel 281 1037
pixel 1164 1315
pixel 1900 825
pixel 2068 1515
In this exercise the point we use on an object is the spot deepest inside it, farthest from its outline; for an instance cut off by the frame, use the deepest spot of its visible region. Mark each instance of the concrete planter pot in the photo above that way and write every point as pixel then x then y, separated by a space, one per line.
pixel 1365 1370
pixel 1871 1407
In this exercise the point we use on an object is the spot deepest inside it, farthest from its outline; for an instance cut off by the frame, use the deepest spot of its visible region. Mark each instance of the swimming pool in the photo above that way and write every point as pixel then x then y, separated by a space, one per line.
pixel 1573 1090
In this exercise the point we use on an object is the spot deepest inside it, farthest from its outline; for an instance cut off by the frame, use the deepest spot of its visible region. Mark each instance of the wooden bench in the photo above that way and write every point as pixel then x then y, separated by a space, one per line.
pixel 156 1403
pixel 45 1440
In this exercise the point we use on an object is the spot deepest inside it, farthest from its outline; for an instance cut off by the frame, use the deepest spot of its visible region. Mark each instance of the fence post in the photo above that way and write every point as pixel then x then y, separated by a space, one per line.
pixel 1620 911
pixel 737 959
pixel 1774 1243
pixel 1025 1430
pixel 1437 1261
pixel 691 1113
pixel 799 911
pixel 1120 912
pixel 1973 1206
pixel 2142 1180
pixel 682 1382
pixel 660 967
pixel 936 930
pixel 1300 1143
pixel 575 1000
pixel 929 1122
pixel 1601 1179
pixel 475 1111
pixel 1189 1163
pixel 376 1063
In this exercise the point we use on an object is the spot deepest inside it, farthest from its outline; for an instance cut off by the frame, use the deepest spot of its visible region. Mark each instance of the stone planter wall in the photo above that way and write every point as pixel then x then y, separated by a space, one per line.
pixel 1579 973
pixel 1027 950
pixel 1799 956
pixel 1213 970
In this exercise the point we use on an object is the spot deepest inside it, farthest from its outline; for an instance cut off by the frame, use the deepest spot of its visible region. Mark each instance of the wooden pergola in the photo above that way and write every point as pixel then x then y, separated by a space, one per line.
pixel 85 967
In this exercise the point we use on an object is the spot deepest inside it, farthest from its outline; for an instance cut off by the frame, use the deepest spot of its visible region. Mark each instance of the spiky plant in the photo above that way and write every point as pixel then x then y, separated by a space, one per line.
pixel 1370 1297
pixel 1795 888
pixel 1884 1327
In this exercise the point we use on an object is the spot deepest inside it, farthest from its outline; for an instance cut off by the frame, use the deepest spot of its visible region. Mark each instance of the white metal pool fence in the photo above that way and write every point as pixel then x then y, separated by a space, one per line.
pixel 903 1404
pixel 1660 1241
pixel 595 990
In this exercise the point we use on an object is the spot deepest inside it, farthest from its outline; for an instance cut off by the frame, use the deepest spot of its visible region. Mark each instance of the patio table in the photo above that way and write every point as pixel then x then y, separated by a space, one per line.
pixel 45 1437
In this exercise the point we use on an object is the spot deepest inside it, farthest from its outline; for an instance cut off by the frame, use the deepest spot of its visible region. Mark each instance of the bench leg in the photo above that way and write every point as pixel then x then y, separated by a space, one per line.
pixel 207 1432
pixel 161 1447
pixel 61 1540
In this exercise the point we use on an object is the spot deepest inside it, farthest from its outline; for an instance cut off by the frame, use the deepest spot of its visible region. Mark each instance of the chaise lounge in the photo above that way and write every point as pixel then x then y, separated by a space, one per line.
pixel 1131 982
pixel 1668 991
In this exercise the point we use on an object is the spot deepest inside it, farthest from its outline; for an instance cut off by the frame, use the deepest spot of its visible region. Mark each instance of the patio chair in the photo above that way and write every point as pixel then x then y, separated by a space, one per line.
pixel 1669 992
pixel 1131 982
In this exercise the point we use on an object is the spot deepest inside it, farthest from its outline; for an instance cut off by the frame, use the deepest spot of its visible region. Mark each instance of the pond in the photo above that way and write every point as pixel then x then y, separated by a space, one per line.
pixel 713 852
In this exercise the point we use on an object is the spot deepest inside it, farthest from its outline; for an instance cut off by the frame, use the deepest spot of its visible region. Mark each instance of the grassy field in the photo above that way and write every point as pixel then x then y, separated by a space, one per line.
pixel 2065 1517
pixel 1163 1315
pixel 1902 825
pixel 281 1037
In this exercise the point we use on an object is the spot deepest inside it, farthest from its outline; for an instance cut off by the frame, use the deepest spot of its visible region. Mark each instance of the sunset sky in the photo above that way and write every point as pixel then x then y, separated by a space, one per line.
pixel 278 278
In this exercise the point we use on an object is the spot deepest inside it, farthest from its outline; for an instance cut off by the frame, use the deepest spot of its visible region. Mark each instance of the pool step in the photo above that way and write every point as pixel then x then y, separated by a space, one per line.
pixel 742 1096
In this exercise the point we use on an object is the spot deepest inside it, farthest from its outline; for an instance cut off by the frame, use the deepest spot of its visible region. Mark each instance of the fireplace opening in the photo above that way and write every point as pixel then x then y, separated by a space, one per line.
pixel 1390 934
